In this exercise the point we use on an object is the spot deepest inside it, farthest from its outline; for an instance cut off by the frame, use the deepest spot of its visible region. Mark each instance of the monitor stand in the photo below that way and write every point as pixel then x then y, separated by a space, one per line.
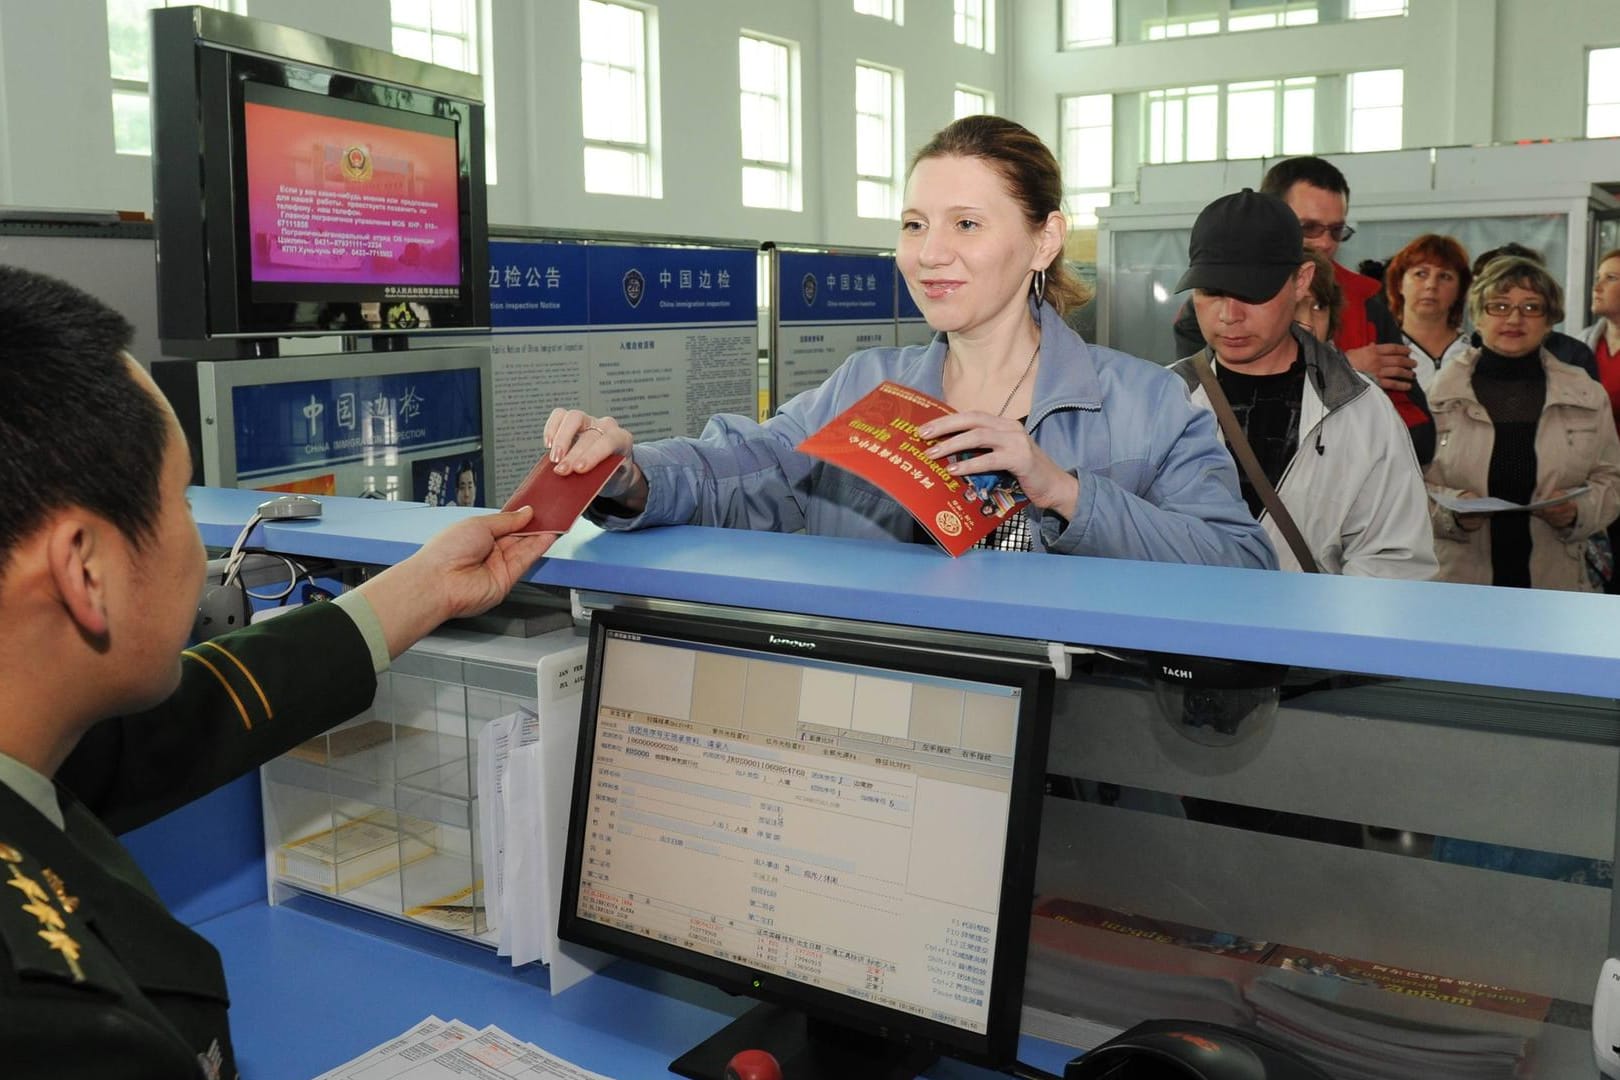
pixel 806 1049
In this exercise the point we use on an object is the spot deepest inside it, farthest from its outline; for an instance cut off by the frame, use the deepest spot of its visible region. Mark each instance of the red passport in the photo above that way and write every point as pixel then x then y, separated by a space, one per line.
pixel 876 439
pixel 559 500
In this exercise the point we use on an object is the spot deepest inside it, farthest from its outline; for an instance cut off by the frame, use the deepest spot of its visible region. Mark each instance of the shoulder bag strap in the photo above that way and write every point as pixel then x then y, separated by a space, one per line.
pixel 1244 453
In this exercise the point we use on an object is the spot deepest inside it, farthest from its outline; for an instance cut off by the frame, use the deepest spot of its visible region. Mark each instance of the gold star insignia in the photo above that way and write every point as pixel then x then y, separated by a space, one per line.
pixel 60 942
pixel 9 854
pixel 46 915
pixel 30 888
pixel 70 904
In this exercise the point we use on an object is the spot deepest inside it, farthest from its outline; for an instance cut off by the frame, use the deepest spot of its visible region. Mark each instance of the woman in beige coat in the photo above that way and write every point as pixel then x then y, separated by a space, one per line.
pixel 1514 423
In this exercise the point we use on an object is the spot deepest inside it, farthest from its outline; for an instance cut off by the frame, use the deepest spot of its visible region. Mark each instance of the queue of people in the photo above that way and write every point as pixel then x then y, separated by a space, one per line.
pixel 1117 460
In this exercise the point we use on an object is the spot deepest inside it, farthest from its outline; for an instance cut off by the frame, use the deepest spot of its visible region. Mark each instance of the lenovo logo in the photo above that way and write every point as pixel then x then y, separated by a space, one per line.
pixel 794 642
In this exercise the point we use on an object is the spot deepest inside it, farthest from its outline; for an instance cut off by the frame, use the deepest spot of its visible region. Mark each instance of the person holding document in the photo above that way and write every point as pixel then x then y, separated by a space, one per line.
pixel 1112 457
pixel 1514 423
pixel 109 722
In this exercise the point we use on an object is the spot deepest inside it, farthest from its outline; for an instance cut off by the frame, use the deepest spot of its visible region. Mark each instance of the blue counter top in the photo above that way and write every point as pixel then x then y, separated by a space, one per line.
pixel 1533 640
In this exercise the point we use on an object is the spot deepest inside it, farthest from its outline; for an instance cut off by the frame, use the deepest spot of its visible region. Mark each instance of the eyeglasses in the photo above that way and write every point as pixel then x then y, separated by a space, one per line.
pixel 1315 229
pixel 1530 309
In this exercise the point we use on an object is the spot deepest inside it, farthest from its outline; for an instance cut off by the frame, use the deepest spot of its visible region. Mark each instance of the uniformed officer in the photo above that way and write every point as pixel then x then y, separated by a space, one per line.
pixel 107 721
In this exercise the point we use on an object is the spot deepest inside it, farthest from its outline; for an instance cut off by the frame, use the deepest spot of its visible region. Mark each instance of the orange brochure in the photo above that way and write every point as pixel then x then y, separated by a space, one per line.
pixel 559 500
pixel 876 439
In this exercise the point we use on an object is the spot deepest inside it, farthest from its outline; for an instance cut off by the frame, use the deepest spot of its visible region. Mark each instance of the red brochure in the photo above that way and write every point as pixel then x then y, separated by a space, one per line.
pixel 559 500
pixel 876 439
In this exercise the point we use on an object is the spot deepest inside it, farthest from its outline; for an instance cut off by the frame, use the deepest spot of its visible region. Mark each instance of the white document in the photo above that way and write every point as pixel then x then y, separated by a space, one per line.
pixel 1488 505
pixel 495 743
pixel 383 1062
pixel 494 1055
pixel 527 913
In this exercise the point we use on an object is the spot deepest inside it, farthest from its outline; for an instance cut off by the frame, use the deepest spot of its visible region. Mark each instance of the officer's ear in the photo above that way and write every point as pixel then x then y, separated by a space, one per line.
pixel 79 550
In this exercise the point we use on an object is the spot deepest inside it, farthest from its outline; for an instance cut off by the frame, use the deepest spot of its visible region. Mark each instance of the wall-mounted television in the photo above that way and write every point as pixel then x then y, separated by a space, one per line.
pixel 304 186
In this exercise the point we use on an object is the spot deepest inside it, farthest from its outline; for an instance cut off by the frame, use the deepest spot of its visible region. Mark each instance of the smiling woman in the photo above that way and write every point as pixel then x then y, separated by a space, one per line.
pixel 1515 423
pixel 1113 458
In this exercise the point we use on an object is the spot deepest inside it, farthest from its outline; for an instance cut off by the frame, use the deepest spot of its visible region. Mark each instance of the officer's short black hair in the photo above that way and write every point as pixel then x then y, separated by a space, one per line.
pixel 1318 172
pixel 76 429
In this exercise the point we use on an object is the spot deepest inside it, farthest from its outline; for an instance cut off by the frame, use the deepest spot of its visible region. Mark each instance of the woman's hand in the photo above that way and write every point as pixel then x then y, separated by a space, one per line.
pixel 578 442
pixel 1558 515
pixel 1004 446
pixel 1470 522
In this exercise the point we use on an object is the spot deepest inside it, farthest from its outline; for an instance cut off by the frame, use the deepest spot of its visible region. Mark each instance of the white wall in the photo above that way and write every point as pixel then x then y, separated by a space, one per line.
pixel 1477 71
pixel 56 113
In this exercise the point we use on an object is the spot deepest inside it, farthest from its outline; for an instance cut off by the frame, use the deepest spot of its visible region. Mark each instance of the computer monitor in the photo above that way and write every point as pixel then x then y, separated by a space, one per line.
pixel 827 819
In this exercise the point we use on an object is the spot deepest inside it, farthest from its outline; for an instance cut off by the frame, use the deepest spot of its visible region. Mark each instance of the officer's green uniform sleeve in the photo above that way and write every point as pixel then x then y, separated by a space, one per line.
pixel 244 698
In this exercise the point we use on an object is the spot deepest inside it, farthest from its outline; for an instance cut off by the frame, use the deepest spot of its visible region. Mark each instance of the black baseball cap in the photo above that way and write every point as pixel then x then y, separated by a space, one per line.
pixel 1245 245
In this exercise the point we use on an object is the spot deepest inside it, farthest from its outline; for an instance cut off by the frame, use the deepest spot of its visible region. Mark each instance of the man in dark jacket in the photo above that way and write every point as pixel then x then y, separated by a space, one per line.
pixel 101 568
pixel 1368 335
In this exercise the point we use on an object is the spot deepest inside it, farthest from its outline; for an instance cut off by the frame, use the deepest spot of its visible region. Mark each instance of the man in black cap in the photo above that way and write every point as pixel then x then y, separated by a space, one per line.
pixel 1332 446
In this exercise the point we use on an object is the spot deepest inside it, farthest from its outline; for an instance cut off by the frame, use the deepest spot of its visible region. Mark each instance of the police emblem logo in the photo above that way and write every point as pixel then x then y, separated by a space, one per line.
pixel 807 288
pixel 357 163
pixel 635 287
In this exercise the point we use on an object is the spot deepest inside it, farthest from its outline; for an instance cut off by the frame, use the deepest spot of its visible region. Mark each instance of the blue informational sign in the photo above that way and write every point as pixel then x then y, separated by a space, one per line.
pixel 830 288
pixel 294 425
pixel 535 285
pixel 643 285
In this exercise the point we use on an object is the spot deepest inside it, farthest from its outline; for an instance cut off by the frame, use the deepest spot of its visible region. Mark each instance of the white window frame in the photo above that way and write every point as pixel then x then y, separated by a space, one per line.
pixel 1176 100
pixel 1085 191
pixel 639 142
pixel 1377 9
pixel 1356 141
pixel 888 10
pixel 784 161
pixel 132 93
pixel 971 101
pixel 1606 122
pixel 478 56
pixel 877 191
pixel 975 24
pixel 1097 17
pixel 1297 92
pixel 1279 13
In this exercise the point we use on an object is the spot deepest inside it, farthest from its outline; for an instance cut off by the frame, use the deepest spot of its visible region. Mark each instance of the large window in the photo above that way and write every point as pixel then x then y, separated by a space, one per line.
pixel 892 10
pixel 453 33
pixel 1375 110
pixel 129 47
pixel 618 86
pixel 1277 116
pixel 1088 23
pixel 1270 14
pixel 1602 93
pixel 974 20
pixel 969 101
pixel 1181 124
pixel 766 77
pixel 1100 22
pixel 1087 155
pixel 877 126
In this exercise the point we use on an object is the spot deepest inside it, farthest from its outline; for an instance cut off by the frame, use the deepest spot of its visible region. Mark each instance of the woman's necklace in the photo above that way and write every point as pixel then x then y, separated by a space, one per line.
pixel 1027 369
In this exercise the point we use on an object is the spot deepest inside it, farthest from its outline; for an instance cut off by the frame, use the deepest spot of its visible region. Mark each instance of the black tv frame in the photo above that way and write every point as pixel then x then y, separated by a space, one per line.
pixel 200 59
pixel 863 1039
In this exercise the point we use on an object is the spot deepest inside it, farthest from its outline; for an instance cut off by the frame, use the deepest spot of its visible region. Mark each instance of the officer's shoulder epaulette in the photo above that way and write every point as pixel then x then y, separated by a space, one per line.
pixel 40 933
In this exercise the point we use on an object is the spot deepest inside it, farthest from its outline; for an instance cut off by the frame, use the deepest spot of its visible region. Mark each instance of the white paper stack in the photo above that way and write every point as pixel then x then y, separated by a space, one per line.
pixel 450 1050
pixel 525 788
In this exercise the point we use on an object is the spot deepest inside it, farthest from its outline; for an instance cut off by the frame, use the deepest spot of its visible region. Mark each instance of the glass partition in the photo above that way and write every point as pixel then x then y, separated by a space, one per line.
pixel 1393 877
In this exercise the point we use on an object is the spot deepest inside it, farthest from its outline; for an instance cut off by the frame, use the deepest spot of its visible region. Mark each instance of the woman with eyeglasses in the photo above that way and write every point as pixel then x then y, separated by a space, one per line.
pixel 1426 284
pixel 1516 424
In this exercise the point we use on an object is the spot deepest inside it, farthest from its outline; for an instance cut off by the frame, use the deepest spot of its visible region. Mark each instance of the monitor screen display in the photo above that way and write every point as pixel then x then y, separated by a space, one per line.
pixel 355 198
pixel 833 823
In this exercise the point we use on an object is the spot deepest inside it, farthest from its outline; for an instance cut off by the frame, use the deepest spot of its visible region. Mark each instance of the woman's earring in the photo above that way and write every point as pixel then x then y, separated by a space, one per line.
pixel 1037 286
